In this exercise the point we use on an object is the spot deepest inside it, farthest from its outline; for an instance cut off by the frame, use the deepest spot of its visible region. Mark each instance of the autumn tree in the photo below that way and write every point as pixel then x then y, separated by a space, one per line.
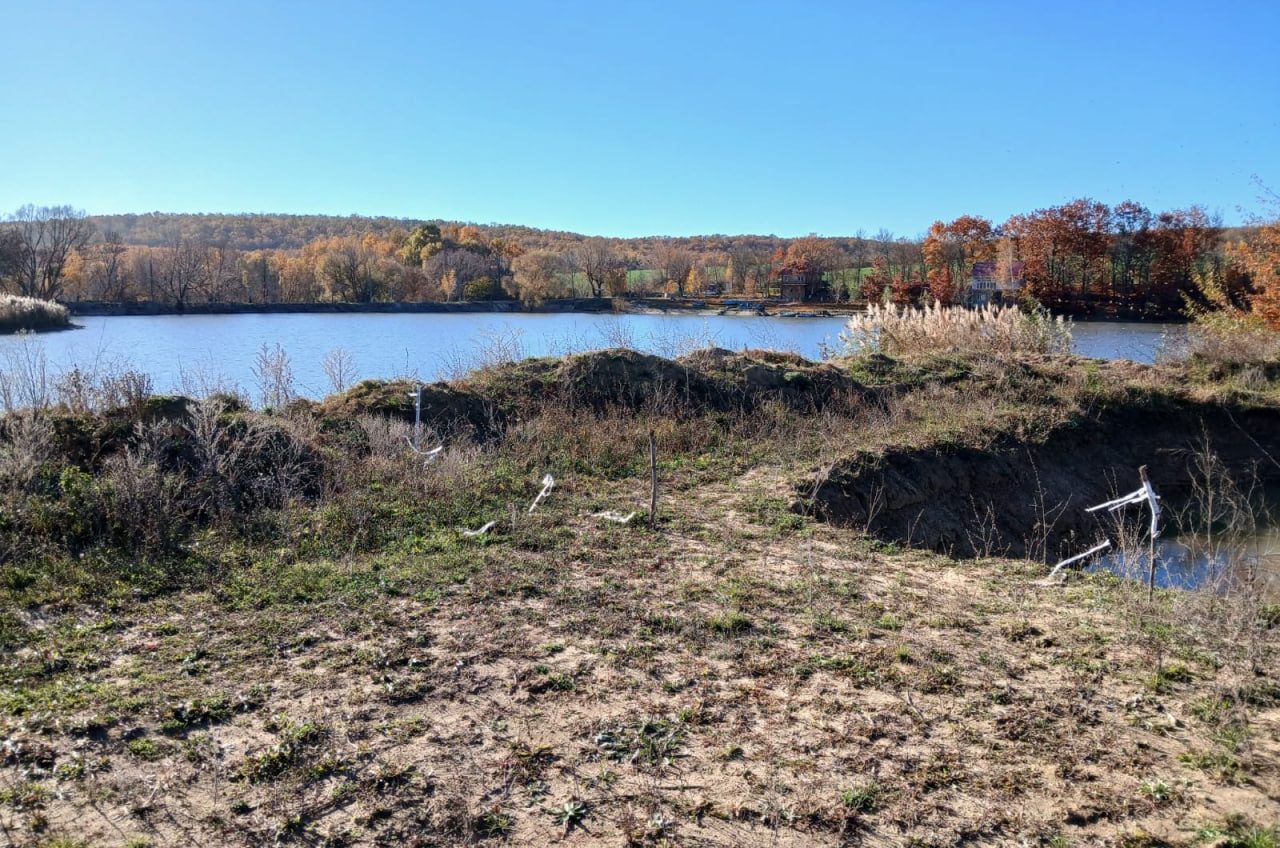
pixel 942 285
pixel 536 276
pixel 1062 248
pixel 615 282
pixel 877 280
pixel 422 243
pixel 950 250
pixel 453 268
pixel 1258 254
pixel 696 280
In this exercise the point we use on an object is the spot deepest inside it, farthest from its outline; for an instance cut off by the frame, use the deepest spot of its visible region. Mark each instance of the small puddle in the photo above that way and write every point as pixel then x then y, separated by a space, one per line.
pixel 1195 562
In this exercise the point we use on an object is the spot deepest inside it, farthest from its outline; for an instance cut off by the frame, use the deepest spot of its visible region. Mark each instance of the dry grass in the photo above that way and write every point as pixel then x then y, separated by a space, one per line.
pixel 997 330
pixel 1227 339
pixel 28 313
pixel 350 669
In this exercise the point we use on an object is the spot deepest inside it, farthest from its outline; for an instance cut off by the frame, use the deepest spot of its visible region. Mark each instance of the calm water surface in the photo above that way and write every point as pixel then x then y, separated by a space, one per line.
pixel 1184 562
pixel 185 352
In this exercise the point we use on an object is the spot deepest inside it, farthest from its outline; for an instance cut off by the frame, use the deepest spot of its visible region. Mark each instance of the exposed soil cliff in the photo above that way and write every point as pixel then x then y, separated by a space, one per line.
pixel 1027 498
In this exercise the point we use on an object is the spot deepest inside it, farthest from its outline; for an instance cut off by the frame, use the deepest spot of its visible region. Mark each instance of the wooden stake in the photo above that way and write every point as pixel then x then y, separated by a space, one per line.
pixel 653 475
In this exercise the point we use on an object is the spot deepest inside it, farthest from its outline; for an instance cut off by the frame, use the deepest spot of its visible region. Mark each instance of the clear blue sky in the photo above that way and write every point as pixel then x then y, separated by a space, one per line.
pixel 639 118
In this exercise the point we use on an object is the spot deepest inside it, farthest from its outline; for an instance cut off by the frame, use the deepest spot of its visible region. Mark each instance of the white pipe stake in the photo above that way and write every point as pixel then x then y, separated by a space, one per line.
pixel 485 529
pixel 615 517
pixel 548 483
pixel 1098 548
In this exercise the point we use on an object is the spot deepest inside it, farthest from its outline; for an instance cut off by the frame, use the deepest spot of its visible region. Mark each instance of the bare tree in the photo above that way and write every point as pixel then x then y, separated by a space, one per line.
pixel 46 238
pixel 456 267
pixel 10 253
pixel 340 367
pixel 347 272
pixel 273 370
pixel 674 262
pixel 596 259
pixel 181 269
pixel 107 279
pixel 218 272
pixel 742 261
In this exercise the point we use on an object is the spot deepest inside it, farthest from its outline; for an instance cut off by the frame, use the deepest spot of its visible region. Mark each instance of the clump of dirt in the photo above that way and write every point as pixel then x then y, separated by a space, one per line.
pixel 1027 498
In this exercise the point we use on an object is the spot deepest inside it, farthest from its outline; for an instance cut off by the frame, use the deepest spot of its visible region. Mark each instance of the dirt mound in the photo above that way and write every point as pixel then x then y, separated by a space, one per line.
pixel 445 408
pixel 712 379
pixel 1025 498
pixel 766 374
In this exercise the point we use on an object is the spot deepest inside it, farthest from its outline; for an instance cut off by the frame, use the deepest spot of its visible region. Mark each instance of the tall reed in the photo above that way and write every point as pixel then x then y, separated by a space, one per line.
pixel 896 330
pixel 28 313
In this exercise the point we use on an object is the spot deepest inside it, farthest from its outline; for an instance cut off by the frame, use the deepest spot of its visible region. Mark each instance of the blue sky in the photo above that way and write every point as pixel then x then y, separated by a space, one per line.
pixel 639 118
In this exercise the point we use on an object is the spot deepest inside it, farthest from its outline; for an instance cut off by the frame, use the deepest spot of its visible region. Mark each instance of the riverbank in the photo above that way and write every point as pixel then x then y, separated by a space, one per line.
pixel 302 623
pixel 639 305
pixel 106 308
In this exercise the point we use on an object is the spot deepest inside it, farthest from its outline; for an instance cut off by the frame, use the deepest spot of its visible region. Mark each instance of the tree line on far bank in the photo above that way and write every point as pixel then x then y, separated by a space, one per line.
pixel 1082 257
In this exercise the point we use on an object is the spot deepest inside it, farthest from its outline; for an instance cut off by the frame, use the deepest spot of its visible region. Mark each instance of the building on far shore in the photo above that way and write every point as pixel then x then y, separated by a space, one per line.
pixel 798 282
pixel 992 284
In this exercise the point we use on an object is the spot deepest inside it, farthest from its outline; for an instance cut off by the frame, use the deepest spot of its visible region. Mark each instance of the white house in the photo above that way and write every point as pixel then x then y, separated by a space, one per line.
pixel 986 285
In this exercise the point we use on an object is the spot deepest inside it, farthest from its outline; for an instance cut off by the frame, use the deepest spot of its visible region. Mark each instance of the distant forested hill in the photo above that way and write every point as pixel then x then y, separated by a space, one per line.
pixel 247 231
pixel 269 231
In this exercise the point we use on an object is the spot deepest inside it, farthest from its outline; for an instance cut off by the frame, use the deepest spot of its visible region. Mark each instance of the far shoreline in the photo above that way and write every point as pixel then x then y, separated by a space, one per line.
pixel 630 306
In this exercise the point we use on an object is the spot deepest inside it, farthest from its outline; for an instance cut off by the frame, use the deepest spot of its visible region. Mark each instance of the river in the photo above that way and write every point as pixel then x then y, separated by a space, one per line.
pixel 189 352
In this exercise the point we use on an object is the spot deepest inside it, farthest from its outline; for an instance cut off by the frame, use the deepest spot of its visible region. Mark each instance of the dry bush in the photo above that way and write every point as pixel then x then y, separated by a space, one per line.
pixel 26 443
pixel 388 438
pixel 86 392
pixel 340 368
pixel 144 504
pixel 996 330
pixel 1225 339
pixel 24 375
pixel 240 462
pixel 29 313
pixel 204 380
pixel 492 348
pixel 273 370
